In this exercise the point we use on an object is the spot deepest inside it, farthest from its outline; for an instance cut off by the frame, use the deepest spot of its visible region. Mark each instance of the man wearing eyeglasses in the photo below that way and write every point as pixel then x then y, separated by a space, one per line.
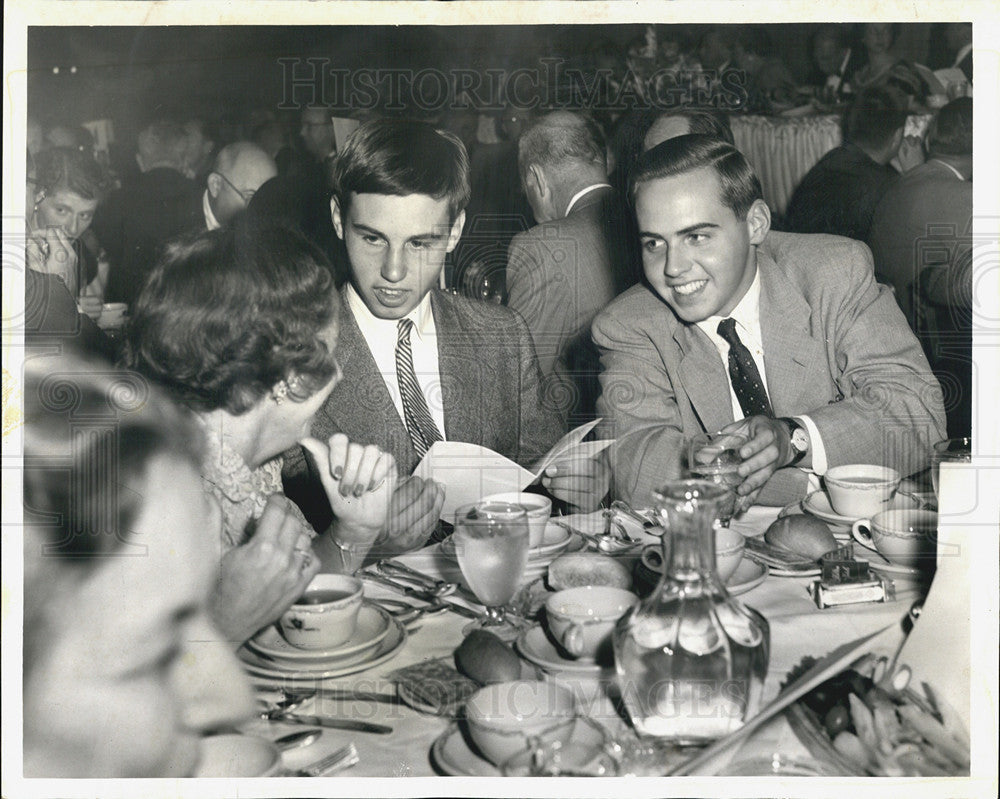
pixel 240 169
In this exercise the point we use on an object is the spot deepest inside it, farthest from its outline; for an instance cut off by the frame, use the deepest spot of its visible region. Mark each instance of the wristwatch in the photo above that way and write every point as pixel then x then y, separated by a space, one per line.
pixel 798 438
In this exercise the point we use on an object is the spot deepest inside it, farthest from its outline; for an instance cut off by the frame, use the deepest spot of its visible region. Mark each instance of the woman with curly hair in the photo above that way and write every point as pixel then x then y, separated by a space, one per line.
pixel 240 326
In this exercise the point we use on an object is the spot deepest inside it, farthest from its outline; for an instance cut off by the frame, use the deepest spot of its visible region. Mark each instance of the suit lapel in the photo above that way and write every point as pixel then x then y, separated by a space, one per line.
pixel 360 405
pixel 703 377
pixel 790 353
pixel 462 388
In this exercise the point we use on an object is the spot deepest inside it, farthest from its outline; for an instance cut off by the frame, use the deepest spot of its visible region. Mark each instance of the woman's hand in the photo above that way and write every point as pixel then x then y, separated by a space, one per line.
pixel 51 252
pixel 91 305
pixel 359 481
pixel 581 483
pixel 414 511
pixel 260 580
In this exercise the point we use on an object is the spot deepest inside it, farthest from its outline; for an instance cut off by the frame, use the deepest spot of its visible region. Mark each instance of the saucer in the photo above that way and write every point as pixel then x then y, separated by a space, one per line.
pixel 308 674
pixel 456 758
pixel 231 755
pixel 555 540
pixel 373 625
pixel 748 575
pixel 536 647
pixel 818 504
pixel 878 562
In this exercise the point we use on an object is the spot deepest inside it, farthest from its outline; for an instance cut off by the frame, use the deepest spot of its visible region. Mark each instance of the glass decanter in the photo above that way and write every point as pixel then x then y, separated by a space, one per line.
pixel 690 659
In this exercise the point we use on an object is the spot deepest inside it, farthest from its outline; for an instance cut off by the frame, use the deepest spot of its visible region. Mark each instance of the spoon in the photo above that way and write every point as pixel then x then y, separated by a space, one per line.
pixel 426 583
pixel 298 739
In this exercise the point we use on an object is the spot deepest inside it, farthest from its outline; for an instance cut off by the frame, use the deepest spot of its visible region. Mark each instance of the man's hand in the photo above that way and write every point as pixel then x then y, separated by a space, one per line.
pixel 768 450
pixel 260 580
pixel 413 514
pixel 51 252
pixel 581 483
pixel 90 305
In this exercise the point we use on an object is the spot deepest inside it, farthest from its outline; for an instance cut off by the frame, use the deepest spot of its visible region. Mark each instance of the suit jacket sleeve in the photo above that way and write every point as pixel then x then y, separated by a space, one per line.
pixel 639 405
pixel 893 408
pixel 540 423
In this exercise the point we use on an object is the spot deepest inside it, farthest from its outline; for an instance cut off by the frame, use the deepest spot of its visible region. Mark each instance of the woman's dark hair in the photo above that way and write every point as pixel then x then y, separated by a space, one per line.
pixel 681 154
pixel 401 157
pixel 90 434
pixel 62 169
pixel 228 314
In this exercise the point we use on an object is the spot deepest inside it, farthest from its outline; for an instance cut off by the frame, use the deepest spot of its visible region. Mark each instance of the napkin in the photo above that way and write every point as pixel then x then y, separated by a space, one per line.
pixel 470 472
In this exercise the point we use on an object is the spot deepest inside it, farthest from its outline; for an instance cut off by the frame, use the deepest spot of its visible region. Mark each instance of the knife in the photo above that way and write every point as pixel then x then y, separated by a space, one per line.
pixel 335 724
pixel 461 610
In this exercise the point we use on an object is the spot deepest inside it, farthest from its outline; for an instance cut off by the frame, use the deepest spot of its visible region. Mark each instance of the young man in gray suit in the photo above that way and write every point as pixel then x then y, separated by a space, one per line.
pixel 787 337
pixel 419 364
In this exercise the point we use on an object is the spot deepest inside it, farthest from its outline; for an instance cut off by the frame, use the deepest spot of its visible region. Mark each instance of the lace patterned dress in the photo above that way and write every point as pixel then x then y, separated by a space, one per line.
pixel 241 491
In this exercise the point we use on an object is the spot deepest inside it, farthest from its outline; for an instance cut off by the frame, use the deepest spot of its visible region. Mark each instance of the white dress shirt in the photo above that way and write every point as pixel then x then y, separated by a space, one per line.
pixel 381 336
pixel 211 223
pixel 584 192
pixel 747 317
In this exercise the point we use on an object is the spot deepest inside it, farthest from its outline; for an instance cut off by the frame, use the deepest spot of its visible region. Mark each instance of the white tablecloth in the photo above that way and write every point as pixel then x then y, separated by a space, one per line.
pixel 798 628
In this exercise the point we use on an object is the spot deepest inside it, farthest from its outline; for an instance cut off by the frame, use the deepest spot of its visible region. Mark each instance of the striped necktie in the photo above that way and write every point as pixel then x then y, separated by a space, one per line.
pixel 419 422
pixel 747 383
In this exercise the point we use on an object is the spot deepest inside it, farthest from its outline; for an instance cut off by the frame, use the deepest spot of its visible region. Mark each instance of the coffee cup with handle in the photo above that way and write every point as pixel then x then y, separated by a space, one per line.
pixel 903 537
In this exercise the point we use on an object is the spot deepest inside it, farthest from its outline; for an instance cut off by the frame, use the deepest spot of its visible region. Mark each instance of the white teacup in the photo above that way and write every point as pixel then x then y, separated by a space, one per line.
pixel 538 508
pixel 582 619
pixel 326 615
pixel 503 717
pixel 860 490
pixel 112 315
pixel 903 537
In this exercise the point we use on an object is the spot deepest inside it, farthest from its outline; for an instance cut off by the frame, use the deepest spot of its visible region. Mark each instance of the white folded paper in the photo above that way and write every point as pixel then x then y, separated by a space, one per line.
pixel 470 472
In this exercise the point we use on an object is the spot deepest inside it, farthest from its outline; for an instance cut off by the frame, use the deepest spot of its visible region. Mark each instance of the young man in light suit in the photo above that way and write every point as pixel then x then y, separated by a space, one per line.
pixel 817 364
pixel 457 369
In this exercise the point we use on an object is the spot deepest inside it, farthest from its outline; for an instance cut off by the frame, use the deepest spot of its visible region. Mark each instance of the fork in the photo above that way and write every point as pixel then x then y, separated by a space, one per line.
pixel 343 758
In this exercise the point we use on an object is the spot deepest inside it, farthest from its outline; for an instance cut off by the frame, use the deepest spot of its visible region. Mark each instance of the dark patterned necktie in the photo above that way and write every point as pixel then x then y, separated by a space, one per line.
pixel 419 422
pixel 747 383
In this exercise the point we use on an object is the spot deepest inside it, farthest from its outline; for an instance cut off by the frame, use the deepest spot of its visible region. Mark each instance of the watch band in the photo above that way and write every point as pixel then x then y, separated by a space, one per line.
pixel 798 438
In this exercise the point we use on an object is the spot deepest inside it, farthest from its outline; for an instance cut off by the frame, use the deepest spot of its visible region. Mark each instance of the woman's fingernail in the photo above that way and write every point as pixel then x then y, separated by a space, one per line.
pixel 345 490
pixel 359 490
pixel 338 473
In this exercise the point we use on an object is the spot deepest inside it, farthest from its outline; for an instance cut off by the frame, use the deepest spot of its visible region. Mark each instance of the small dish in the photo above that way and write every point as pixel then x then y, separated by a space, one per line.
pixel 818 504
pixel 556 540
pixel 373 625
pixel 456 757
pixel 535 646
pixel 232 755
pixel 261 670
pixel 748 575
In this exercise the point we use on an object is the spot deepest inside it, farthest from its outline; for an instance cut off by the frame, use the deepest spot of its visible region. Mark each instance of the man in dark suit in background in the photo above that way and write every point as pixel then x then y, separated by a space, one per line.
pixel 419 364
pixel 564 270
pixel 137 219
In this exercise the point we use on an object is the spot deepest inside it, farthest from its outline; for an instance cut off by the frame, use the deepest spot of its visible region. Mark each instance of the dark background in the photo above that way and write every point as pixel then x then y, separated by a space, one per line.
pixel 128 74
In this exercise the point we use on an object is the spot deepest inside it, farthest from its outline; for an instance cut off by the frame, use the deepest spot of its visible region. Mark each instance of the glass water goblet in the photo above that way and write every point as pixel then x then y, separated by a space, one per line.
pixel 491 542
pixel 953 450
pixel 716 457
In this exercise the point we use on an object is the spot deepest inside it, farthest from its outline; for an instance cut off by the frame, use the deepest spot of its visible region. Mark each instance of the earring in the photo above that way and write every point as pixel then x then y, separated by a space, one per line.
pixel 279 392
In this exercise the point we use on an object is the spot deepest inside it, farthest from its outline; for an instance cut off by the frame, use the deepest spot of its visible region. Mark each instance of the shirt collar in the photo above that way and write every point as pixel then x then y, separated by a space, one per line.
pixel 746 313
pixel 210 221
pixel 583 192
pixel 948 166
pixel 962 54
pixel 422 317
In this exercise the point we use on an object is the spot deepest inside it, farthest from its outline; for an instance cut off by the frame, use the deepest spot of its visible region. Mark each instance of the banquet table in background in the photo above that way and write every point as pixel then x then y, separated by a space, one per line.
pixel 797 627
pixel 782 149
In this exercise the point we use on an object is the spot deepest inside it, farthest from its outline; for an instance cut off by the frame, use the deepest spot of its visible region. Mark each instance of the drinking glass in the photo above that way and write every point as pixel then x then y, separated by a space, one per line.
pixel 491 542
pixel 954 450
pixel 716 457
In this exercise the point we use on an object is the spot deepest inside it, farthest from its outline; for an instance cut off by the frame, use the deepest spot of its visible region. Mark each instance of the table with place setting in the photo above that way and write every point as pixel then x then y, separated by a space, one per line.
pixel 381 690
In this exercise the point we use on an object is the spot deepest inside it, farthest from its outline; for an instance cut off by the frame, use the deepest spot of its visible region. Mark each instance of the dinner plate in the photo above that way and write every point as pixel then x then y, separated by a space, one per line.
pixel 388 647
pixel 554 542
pixel 373 626
pixel 232 755
pixel 818 504
pixel 455 756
